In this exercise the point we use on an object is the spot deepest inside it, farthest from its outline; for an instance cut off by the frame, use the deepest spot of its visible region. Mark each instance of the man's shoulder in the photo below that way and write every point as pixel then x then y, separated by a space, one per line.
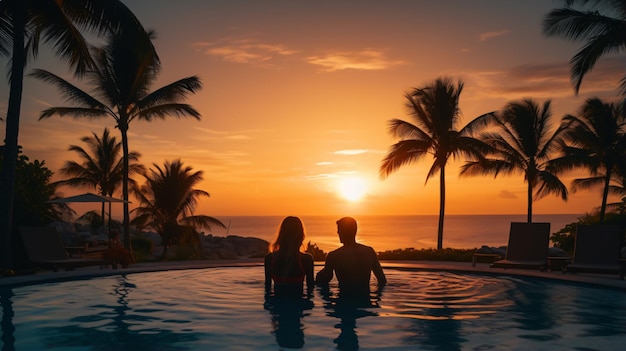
pixel 354 248
pixel 362 247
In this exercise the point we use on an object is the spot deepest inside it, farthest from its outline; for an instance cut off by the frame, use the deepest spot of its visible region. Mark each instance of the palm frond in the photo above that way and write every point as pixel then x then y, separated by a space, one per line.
pixel 550 184
pixel 402 153
pixel 202 221
pixel 69 91
pixel 587 183
pixel 167 110
pixel 73 112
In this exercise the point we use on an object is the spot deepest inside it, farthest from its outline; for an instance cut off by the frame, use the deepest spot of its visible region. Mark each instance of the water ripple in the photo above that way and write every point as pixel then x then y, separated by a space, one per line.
pixel 444 295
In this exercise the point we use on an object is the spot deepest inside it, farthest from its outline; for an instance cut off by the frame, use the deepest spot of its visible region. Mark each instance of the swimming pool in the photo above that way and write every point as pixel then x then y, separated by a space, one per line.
pixel 224 309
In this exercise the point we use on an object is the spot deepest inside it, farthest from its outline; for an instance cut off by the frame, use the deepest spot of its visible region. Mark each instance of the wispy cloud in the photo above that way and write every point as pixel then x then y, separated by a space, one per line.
pixel 245 51
pixel 505 194
pixel 369 60
pixel 207 133
pixel 490 35
pixel 351 152
pixel 547 80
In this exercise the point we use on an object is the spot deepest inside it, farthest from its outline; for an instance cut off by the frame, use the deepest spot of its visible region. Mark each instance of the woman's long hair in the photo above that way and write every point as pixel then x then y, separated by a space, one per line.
pixel 290 237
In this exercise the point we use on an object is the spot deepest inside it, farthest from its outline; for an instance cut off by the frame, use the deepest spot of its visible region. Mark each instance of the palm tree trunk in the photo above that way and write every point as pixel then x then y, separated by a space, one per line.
pixel 605 191
pixel 11 149
pixel 442 206
pixel 529 196
pixel 123 125
pixel 103 214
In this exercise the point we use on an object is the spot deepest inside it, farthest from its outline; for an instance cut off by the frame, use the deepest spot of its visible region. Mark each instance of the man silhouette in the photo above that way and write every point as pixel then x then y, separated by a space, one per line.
pixel 353 263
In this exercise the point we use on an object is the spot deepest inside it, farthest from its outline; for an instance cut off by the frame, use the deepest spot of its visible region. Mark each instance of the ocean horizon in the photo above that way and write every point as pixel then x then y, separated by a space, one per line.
pixel 395 231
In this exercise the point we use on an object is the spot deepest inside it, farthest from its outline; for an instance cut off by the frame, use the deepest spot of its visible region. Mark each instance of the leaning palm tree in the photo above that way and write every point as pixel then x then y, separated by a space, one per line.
pixel 435 111
pixel 120 82
pixel 602 26
pixel 23 24
pixel 596 140
pixel 522 143
pixel 101 167
pixel 168 200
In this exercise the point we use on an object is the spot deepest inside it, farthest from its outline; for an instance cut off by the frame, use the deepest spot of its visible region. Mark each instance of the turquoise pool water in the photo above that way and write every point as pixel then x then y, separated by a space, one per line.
pixel 224 309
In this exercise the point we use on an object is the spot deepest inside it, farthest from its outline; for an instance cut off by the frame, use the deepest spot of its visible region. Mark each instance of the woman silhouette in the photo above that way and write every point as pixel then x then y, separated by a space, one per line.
pixel 286 266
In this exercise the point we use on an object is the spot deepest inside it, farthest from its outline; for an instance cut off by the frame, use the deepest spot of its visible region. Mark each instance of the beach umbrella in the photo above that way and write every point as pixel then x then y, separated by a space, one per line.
pixel 89 197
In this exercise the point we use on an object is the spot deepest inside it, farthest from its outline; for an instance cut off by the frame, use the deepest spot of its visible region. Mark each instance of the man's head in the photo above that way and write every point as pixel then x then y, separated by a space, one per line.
pixel 346 228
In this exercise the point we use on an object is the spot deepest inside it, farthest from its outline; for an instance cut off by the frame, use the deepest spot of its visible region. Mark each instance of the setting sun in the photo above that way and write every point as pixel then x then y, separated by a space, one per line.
pixel 352 188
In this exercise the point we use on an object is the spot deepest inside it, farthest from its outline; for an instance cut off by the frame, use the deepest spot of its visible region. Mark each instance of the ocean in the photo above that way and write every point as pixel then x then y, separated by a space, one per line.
pixel 396 232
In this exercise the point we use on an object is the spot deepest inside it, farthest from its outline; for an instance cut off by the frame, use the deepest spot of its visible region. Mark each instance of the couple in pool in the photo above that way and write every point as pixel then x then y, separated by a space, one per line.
pixel 287 268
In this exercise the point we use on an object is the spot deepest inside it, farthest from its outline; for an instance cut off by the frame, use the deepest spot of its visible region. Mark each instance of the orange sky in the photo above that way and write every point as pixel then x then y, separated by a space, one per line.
pixel 297 95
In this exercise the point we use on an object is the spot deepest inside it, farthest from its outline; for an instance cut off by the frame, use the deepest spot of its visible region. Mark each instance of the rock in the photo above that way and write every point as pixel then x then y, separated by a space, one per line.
pixel 232 247
pixel 492 250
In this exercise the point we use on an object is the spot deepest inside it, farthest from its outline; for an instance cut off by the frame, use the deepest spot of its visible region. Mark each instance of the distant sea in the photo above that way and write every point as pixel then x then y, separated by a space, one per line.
pixel 396 232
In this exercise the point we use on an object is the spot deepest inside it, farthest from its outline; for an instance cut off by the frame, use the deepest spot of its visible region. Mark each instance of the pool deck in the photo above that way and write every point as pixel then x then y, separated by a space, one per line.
pixel 606 280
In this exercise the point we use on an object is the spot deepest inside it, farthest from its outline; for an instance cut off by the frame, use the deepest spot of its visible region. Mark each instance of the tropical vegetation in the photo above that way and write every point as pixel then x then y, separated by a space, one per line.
pixel 601 24
pixel 435 113
pixel 101 165
pixel 23 25
pixel 167 202
pixel 522 143
pixel 120 80
pixel 597 142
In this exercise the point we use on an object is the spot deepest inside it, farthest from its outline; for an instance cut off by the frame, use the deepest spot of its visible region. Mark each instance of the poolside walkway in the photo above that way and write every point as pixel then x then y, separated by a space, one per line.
pixel 607 280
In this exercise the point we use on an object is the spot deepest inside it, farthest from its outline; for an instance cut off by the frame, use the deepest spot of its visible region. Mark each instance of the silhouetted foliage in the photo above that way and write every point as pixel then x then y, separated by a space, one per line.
pixel 432 131
pixel 566 237
pixel 32 191
pixel 24 24
pixel 318 254
pixel 167 203
pixel 522 142
pixel 601 25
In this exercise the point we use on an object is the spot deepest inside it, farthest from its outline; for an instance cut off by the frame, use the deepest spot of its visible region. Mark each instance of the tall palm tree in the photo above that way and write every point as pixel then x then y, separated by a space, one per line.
pixel 601 24
pixel 23 24
pixel 101 167
pixel 168 200
pixel 522 143
pixel 120 82
pixel 435 111
pixel 596 140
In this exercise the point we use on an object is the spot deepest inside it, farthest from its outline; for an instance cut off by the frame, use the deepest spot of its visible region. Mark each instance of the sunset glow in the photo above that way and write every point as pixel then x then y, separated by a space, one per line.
pixel 296 101
pixel 352 188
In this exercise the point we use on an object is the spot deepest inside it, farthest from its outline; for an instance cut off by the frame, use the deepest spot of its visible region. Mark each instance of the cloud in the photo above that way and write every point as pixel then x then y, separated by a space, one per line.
pixel 547 80
pixel 369 60
pixel 208 133
pixel 490 35
pixel 351 152
pixel 505 194
pixel 245 51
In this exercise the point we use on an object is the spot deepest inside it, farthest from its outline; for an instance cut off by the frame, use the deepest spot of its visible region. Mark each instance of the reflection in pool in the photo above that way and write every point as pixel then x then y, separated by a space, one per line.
pixel 224 309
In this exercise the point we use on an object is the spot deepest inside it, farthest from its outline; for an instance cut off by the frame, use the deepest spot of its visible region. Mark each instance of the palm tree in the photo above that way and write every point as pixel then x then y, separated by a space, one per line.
pixel 167 202
pixel 596 140
pixel 435 112
pixel 522 143
pixel 603 32
pixel 102 165
pixel 23 24
pixel 120 82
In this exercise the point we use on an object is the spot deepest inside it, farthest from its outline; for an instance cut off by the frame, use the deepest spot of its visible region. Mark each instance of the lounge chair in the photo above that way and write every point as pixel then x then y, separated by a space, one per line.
pixel 527 248
pixel 596 249
pixel 44 247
